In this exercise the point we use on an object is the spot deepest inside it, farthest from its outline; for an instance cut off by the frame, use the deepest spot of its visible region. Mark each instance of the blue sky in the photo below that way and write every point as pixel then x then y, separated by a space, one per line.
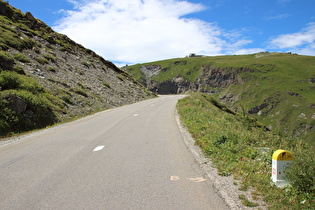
pixel 136 31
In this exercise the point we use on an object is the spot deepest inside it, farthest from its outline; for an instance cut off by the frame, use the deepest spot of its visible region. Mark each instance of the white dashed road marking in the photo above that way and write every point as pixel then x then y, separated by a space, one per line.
pixel 98 148
pixel 174 178
pixel 197 179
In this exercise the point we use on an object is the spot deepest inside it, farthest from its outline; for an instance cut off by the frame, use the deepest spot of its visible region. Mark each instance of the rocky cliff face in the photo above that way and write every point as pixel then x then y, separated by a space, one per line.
pixel 83 81
pixel 209 79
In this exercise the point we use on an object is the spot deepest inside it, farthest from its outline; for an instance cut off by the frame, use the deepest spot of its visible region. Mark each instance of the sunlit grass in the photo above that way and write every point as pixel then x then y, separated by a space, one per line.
pixel 240 146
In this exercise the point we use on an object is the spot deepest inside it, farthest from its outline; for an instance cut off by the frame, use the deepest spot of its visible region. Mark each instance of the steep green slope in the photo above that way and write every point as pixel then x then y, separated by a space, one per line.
pixel 276 88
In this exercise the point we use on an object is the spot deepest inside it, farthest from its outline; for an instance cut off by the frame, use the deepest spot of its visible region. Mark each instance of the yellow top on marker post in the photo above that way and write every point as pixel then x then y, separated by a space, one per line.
pixel 282 155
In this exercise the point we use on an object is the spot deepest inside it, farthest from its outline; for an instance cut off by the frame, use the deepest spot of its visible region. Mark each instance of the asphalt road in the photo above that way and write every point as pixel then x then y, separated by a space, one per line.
pixel 131 157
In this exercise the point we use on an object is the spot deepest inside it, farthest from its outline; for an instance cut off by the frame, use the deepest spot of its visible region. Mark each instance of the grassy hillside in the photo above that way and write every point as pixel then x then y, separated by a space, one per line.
pixel 276 88
pixel 239 146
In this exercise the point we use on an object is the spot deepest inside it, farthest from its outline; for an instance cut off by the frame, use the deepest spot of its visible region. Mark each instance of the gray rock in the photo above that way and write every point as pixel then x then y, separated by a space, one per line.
pixel 17 104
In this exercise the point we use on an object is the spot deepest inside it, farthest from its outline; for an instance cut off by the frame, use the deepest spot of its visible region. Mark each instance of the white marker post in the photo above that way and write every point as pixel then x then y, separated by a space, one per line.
pixel 281 159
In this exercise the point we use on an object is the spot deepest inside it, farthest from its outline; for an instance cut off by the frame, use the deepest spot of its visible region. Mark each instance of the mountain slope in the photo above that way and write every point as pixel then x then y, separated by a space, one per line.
pixel 276 88
pixel 45 77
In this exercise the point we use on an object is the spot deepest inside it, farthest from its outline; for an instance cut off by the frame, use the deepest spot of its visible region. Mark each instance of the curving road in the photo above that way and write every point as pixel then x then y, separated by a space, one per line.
pixel 131 157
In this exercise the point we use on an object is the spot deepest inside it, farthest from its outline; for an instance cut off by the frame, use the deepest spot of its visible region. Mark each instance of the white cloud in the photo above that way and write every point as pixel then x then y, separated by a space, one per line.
pixel 301 42
pixel 134 31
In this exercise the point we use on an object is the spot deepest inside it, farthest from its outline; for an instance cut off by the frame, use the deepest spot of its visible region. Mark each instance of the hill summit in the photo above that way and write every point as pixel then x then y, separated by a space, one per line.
pixel 45 77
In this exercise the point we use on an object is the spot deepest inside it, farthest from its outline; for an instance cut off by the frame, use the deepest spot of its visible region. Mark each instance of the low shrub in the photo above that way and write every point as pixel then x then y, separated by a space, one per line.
pixel 81 92
pixel 106 85
pixel 86 64
pixel 6 57
pixel 11 39
pixel 42 60
pixel 120 77
pixel 6 61
pixel 50 57
pixel 12 80
pixel 19 70
pixel 21 57
pixel 301 172
pixel 67 99
pixel 41 106
pixel 52 69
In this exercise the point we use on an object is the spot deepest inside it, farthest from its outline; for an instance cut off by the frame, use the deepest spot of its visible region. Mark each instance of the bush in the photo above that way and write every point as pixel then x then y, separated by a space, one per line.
pixel 39 112
pixel 120 77
pixel 5 57
pixel 41 106
pixel 52 69
pixel 19 70
pixel 81 92
pixel 67 99
pixel 301 172
pixel 8 117
pixel 50 57
pixel 6 61
pixel 106 85
pixel 21 57
pixel 85 64
pixel 13 40
pixel 12 80
pixel 42 60
pixel 9 80
pixel 3 46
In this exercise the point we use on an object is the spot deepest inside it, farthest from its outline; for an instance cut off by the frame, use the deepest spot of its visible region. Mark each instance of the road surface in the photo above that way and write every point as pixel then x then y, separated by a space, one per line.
pixel 131 157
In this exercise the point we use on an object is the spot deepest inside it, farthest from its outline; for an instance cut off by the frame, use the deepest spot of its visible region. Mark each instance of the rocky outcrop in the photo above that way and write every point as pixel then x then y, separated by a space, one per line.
pixel 210 78
pixel 16 103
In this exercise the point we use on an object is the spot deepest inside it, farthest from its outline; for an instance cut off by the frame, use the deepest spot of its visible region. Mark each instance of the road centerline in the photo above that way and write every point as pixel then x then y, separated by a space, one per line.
pixel 99 148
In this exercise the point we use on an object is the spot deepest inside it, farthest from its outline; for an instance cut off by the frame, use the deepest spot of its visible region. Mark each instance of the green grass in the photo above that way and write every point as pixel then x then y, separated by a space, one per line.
pixel 106 85
pixel 42 60
pixel 240 146
pixel 6 61
pixel 86 64
pixel 9 37
pixel 281 81
pixel 41 106
pixel 120 77
pixel 287 90
pixel 21 57
pixel 81 92
pixel 19 70
pixel 50 57
pixel 51 69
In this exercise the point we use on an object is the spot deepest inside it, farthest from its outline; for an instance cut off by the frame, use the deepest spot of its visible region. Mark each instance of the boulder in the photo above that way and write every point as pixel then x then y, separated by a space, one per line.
pixel 30 17
pixel 17 104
